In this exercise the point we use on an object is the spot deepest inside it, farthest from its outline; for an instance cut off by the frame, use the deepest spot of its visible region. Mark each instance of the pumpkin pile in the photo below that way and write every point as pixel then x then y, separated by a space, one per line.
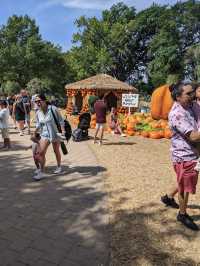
pixel 144 125
pixel 85 108
pixel 93 121
pixel 137 124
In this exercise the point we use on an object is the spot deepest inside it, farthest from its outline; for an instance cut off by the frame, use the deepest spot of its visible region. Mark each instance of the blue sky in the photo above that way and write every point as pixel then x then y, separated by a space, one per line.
pixel 56 17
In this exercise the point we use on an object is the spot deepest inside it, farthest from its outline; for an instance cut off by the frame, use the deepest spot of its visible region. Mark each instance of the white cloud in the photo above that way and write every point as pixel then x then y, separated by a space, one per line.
pixel 82 4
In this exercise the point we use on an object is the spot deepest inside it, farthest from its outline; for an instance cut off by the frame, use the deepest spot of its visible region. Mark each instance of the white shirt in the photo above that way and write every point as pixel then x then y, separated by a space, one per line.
pixel 4 117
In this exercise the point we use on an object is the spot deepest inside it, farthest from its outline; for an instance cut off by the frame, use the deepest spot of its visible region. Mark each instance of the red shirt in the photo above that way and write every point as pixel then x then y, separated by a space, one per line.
pixel 100 110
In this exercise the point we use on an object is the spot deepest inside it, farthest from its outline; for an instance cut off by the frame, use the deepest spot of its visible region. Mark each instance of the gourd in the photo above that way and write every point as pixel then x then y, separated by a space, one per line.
pixel 161 102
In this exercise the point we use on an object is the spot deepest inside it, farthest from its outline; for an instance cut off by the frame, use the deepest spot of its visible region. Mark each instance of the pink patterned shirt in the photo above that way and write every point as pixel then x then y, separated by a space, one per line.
pixel 182 121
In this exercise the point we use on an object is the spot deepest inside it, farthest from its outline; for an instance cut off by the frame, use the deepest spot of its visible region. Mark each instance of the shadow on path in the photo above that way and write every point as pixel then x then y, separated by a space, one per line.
pixel 58 221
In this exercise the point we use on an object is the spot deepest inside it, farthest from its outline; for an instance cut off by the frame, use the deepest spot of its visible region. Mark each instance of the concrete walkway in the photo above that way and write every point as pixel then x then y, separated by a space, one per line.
pixel 61 220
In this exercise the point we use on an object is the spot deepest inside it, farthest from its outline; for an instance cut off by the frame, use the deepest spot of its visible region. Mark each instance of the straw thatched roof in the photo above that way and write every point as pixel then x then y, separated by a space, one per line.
pixel 100 82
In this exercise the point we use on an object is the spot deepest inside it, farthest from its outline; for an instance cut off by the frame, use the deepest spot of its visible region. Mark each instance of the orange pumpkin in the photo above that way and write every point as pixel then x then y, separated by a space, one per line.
pixel 130 126
pixel 167 134
pixel 130 133
pixel 137 133
pixel 161 102
pixel 161 133
pixel 154 135
pixel 145 134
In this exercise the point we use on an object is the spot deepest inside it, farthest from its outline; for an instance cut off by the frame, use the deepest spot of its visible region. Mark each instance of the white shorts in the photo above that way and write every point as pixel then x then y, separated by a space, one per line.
pixel 100 125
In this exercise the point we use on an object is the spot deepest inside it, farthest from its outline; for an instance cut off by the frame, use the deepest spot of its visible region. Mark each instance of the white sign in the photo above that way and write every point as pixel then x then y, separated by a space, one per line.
pixel 130 100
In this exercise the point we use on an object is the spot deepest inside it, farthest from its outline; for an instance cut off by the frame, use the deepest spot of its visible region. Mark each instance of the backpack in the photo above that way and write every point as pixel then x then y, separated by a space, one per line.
pixel 68 130
pixel 77 134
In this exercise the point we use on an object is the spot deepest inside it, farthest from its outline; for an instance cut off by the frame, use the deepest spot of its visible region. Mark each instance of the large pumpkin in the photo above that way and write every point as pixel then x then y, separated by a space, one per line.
pixel 161 102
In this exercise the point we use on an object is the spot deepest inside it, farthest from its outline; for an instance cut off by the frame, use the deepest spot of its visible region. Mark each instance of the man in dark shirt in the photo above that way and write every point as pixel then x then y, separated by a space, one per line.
pixel 100 110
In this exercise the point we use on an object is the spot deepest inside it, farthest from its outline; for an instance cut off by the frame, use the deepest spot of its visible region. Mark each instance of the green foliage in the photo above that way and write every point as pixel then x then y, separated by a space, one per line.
pixel 36 86
pixel 10 87
pixel 149 48
pixel 24 55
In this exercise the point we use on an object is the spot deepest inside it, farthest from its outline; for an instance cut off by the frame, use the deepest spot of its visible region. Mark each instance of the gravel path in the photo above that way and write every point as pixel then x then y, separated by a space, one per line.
pixel 143 231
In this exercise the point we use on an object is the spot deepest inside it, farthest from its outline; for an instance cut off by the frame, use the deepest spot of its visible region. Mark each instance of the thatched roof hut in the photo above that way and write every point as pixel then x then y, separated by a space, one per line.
pixel 79 92
pixel 101 82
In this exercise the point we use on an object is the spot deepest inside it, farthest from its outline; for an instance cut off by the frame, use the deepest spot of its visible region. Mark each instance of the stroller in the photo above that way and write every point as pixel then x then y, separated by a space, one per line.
pixel 81 133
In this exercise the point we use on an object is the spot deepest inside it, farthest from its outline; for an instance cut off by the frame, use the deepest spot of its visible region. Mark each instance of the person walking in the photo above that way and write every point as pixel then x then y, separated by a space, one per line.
pixel 100 109
pixel 46 125
pixel 19 113
pixel 4 117
pixel 183 150
pixel 27 108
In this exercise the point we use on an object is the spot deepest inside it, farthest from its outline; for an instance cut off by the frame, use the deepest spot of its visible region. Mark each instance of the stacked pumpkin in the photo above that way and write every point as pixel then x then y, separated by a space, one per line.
pixel 145 126
pixel 122 110
pixel 69 108
pixel 93 121
pixel 85 108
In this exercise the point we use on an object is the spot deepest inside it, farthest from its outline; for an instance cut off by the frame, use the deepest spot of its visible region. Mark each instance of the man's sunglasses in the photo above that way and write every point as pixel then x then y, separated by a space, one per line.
pixel 190 93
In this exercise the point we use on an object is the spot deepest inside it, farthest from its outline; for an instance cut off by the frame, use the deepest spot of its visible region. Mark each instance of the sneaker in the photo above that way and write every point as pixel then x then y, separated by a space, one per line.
pixel 39 176
pixel 123 135
pixel 169 202
pixel 185 220
pixel 21 134
pixel 37 171
pixel 189 217
pixel 58 170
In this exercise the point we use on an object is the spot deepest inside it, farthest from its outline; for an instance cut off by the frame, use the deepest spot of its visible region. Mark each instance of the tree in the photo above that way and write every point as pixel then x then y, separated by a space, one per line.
pixel 24 55
pixel 192 63
pixel 11 87
pixel 36 86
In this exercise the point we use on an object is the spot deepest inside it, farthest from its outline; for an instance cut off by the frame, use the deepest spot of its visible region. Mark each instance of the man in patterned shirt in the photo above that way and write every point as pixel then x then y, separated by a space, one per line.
pixel 183 150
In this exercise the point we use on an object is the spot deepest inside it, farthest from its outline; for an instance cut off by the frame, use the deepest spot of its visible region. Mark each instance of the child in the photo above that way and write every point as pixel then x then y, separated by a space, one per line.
pixel 114 124
pixel 4 117
pixel 36 149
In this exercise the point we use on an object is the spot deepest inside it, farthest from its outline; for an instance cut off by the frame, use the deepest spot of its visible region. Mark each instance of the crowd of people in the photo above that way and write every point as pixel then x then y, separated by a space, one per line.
pixel 47 115
pixel 184 121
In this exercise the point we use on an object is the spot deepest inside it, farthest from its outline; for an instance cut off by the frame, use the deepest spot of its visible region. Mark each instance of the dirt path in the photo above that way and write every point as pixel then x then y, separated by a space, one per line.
pixel 143 231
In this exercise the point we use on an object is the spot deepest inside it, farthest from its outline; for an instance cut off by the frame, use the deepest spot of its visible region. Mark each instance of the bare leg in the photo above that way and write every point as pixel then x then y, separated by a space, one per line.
pixel 20 125
pixel 173 192
pixel 96 133
pixel 56 148
pixel 44 144
pixel 101 136
pixel 7 143
pixel 183 201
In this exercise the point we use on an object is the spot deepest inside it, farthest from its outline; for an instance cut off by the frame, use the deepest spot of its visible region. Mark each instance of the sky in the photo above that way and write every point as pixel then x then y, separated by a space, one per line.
pixel 55 18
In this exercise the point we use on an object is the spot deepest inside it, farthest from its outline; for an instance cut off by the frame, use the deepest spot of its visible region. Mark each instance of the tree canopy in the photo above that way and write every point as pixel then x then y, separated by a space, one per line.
pixel 148 48
pixel 24 55
pixel 153 46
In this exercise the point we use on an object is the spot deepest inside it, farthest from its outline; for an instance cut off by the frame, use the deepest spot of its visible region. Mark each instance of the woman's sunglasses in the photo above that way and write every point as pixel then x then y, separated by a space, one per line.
pixel 38 101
